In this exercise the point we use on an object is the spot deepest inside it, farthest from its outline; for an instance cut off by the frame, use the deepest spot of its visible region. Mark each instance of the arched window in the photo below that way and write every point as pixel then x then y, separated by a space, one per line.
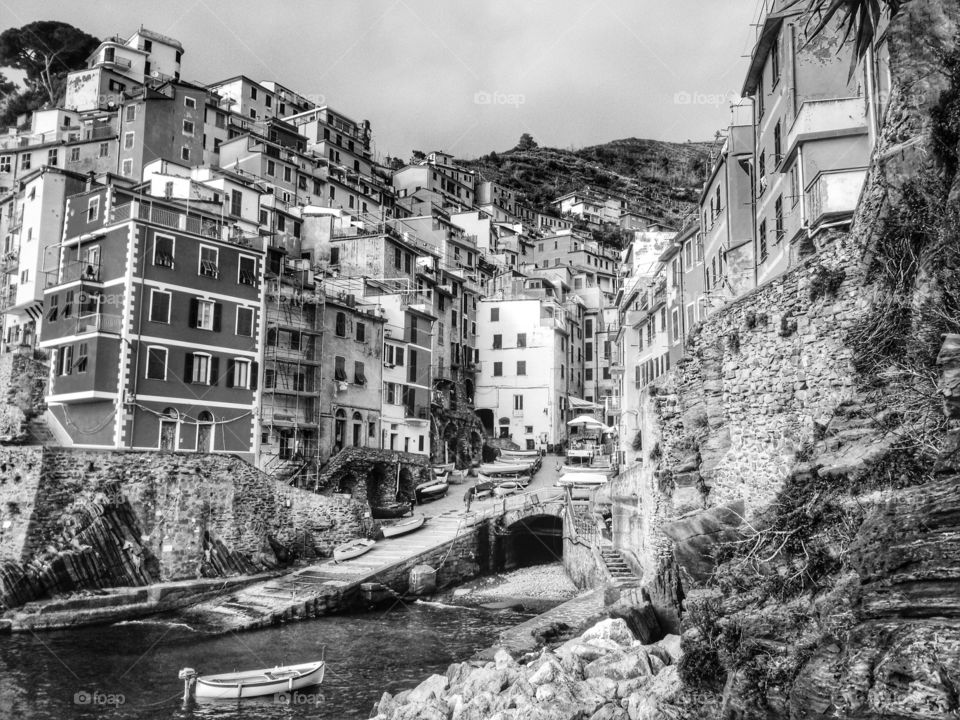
pixel 341 326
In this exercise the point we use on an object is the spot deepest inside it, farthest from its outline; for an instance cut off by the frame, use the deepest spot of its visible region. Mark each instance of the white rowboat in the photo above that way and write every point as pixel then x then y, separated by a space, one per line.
pixel 352 549
pixel 404 526
pixel 257 683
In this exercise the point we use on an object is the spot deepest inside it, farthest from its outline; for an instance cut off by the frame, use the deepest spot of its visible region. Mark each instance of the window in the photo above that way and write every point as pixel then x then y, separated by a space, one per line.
pixel 588 374
pixel 205 314
pixel 184 153
pixel 340 326
pixel 128 141
pixel 397 258
pixel 497 342
pixel 236 203
pixel 74 154
pixel 497 369
pixel 163 251
pixel 126 167
pixel 81 364
pixel 159 306
pixel 68 304
pixel 775 61
pixel 361 333
pixel 201 369
pixel 588 351
pixel 157 363
pixel 130 114
pixel 93 209
pixel 760 97
pixel 675 319
pixel 287 174
pixel 521 367
pixel 778 215
pixel 240 374
pixel 54 308
pixel 794 185
pixel 398 356
pixel 776 144
pixel 248 271
pixel 104 149
pixel 271 168
pixel 253 93
pixel 521 340
pixel 6 164
pixel 65 360
pixel 220 120
pixel 762 240
pixel 358 376
pixel 334 256
pixel 244 321
pixel 148 45
pixel 339 370
pixel 25 161
pixel 188 127
pixel 208 261
pixel 518 402
pixel 588 327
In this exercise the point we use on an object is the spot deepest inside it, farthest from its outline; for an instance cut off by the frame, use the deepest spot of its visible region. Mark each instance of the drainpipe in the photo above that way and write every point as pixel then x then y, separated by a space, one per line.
pixel 802 189
pixel 871 90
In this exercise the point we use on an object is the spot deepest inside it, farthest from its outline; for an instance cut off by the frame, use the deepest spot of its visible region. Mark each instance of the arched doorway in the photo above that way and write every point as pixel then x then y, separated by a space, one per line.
pixel 169 424
pixel 339 429
pixel 535 540
pixel 407 485
pixel 486 419
pixel 381 486
pixel 468 391
pixel 450 443
pixel 205 432
pixel 357 429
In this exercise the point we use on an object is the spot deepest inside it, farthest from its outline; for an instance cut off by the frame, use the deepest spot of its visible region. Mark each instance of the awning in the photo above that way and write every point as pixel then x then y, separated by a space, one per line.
pixel 581 404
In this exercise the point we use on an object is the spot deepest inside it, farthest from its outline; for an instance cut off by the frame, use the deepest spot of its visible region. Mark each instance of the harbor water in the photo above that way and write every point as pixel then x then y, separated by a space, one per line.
pixel 129 670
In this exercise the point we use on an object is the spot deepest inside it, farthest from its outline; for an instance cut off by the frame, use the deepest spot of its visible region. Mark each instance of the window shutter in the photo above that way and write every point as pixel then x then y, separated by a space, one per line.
pixel 214 370
pixel 254 370
pixel 188 368
pixel 231 365
pixel 194 309
pixel 217 316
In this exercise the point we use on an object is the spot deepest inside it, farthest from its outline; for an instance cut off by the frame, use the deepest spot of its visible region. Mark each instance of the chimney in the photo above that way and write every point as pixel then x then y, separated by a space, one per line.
pixel 91 181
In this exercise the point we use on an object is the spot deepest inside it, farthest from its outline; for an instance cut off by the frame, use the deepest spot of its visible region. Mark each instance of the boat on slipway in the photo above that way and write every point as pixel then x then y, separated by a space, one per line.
pixel 403 527
pixel 353 548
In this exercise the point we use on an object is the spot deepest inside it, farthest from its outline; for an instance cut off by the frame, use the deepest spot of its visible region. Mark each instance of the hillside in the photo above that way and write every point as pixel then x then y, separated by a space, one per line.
pixel 662 179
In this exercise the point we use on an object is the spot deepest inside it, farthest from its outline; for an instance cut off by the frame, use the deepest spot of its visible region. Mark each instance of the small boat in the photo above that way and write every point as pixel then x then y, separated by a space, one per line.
pixel 392 510
pixel 253 683
pixel 352 549
pixel 521 453
pixel 404 526
pixel 496 468
pixel 431 490
pixel 523 480
pixel 582 479
pixel 507 488
pixel 440 469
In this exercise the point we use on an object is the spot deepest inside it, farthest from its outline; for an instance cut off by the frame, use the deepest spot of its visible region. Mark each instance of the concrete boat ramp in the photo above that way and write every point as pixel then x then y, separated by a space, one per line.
pixel 328 587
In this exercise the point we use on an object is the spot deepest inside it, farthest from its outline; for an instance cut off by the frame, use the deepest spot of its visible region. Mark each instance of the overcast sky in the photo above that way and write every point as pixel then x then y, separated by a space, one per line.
pixel 463 77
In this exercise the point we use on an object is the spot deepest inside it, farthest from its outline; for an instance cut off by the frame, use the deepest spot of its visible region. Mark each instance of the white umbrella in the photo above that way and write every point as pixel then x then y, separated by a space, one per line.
pixel 586 421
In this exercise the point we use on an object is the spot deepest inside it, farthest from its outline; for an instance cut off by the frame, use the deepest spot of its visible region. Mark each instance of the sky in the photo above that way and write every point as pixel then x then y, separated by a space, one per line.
pixel 465 78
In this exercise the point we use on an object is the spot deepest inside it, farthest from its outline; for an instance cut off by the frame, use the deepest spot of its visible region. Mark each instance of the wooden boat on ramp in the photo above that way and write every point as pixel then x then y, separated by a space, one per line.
pixel 352 549
pixel 431 490
pixel 498 468
pixel 252 683
pixel 523 480
pixel 404 526
pixel 507 487
pixel 391 510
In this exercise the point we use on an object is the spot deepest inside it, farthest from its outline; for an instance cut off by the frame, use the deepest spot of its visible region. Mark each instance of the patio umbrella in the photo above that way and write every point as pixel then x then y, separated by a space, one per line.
pixel 586 421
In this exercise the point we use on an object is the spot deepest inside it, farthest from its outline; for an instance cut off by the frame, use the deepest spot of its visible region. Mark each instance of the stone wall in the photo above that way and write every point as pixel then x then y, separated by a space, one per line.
pixel 23 382
pixel 73 518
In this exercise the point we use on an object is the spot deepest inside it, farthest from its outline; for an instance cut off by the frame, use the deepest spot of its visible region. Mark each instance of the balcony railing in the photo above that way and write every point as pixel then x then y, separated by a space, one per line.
pixel 8 298
pixel 99 322
pixel 418 412
pixel 80 270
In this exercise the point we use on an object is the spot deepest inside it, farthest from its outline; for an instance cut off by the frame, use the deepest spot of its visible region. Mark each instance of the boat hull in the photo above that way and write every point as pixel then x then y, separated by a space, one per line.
pixel 403 527
pixel 352 549
pixel 259 683
pixel 431 491
pixel 394 510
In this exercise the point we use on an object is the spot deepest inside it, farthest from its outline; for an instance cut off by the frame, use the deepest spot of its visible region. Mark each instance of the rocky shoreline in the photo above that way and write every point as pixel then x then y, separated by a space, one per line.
pixel 604 674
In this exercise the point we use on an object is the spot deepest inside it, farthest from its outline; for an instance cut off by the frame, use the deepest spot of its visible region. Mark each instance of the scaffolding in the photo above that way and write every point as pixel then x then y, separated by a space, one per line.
pixel 290 405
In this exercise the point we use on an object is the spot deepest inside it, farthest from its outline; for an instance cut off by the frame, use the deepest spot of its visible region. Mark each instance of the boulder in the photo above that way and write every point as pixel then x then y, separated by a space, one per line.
pixel 420 711
pixel 698 535
pixel 621 666
pixel 483 680
pixel 430 689
pixel 662 690
pixel 615 629
pixel 610 711
pixel 670 644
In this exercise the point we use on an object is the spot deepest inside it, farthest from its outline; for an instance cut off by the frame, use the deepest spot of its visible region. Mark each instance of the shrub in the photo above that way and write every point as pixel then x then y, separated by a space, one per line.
pixel 824 282
pixel 733 342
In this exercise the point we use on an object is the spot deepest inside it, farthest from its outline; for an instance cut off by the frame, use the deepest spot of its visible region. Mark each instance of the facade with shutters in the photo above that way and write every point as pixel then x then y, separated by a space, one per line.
pixel 153 323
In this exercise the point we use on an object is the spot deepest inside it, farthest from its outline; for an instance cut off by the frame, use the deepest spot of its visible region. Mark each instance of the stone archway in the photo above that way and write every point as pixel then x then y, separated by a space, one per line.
pixel 381 487
pixel 407 484
pixel 531 540
pixel 349 484
pixel 485 415
pixel 450 442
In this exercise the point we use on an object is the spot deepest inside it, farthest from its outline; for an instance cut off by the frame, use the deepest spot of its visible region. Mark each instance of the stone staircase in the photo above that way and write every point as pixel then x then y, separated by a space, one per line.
pixel 617 568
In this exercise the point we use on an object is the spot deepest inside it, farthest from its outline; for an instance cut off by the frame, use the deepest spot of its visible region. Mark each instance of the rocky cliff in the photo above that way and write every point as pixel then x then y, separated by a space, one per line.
pixel 797 507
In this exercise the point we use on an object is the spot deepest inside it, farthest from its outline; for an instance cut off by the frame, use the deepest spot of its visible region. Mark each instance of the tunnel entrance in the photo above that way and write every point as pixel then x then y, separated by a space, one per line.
pixel 535 540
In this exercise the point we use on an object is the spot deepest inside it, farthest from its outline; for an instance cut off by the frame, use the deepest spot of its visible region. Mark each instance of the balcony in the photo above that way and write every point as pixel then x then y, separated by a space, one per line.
pixel 612 405
pixel 79 270
pixel 8 298
pixel 99 323
pixel 833 195
pixel 419 301
pixel 10 261
pixel 417 414
pixel 833 117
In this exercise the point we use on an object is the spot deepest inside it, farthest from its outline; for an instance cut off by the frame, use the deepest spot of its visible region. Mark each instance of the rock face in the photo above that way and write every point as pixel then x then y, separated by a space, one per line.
pixel 605 674
pixel 83 519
